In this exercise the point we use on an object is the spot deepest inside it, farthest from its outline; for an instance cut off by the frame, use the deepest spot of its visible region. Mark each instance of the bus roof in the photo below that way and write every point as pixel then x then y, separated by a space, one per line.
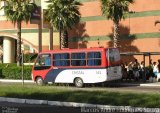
pixel 75 50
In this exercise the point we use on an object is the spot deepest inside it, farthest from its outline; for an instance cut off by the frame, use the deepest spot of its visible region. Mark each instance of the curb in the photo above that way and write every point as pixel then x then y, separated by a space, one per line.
pixel 151 85
pixel 45 102
pixel 15 81
pixel 84 106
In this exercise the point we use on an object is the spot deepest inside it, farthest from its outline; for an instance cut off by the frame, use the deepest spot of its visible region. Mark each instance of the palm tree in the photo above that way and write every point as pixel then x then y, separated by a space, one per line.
pixel 115 10
pixel 17 11
pixel 63 15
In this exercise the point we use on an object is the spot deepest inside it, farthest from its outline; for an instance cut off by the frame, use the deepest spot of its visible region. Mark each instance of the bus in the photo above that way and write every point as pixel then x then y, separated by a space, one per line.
pixel 77 66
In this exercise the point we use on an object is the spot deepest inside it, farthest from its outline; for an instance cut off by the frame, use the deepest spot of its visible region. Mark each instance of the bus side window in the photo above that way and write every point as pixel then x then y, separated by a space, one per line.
pixel 61 59
pixel 78 59
pixel 94 58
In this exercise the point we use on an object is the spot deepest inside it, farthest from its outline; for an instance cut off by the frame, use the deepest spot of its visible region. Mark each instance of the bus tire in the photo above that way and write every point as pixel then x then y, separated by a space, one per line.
pixel 78 82
pixel 39 81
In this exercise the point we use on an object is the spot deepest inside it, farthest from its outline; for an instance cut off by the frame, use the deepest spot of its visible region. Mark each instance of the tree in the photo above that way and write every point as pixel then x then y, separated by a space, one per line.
pixel 63 15
pixel 17 11
pixel 115 10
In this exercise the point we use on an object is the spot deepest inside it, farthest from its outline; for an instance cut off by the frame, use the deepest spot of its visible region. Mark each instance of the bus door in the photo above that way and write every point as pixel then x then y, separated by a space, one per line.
pixel 114 67
pixel 42 65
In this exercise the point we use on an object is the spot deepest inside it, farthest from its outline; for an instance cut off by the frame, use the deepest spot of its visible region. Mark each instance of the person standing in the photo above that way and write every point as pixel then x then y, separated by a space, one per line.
pixel 158 69
pixel 155 69
pixel 136 67
pixel 142 71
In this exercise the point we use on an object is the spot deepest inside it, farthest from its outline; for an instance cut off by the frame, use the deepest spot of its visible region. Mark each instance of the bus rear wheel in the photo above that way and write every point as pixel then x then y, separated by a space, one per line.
pixel 78 82
pixel 39 81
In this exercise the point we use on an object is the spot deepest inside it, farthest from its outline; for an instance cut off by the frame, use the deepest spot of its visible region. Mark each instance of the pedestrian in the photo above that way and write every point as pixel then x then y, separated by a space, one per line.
pixel 158 73
pixel 136 67
pixel 130 70
pixel 142 71
pixel 155 69
pixel 124 71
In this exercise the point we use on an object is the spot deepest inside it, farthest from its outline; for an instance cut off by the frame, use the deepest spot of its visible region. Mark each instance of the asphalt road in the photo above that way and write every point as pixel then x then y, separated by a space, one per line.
pixel 7 107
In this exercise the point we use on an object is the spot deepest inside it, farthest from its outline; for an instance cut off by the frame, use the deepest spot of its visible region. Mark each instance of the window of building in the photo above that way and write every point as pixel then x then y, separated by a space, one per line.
pixel 61 59
pixel 78 59
pixel 94 58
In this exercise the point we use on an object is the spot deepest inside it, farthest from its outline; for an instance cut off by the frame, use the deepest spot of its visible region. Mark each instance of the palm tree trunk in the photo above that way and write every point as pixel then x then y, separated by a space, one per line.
pixel 51 38
pixel 60 39
pixel 65 39
pixel 19 44
pixel 40 36
pixel 116 34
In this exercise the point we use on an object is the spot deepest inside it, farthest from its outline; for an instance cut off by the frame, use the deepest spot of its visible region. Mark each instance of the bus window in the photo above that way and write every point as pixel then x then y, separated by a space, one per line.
pixel 94 58
pixel 62 59
pixel 78 59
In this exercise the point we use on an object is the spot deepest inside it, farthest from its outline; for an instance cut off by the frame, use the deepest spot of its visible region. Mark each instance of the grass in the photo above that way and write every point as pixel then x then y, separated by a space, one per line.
pixel 69 94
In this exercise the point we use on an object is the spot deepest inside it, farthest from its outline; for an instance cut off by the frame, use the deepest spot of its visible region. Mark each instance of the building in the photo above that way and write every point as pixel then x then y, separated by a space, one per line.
pixel 29 35
pixel 138 31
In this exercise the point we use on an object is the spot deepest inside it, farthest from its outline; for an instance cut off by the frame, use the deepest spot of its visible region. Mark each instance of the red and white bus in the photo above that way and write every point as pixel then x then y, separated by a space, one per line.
pixel 78 66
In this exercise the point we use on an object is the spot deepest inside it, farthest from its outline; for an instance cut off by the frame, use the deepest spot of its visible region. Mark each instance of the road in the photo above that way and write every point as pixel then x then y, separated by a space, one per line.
pixel 7 107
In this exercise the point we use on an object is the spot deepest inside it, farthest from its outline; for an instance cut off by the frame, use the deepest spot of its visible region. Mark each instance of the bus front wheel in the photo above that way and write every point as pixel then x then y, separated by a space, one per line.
pixel 39 81
pixel 78 82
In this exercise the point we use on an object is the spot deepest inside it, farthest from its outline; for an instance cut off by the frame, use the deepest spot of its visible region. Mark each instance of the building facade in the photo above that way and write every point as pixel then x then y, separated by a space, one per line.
pixel 30 36
pixel 138 32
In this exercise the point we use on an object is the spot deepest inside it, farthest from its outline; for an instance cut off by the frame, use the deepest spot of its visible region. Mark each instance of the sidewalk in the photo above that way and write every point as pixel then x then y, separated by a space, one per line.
pixel 154 84
pixel 149 84
pixel 15 81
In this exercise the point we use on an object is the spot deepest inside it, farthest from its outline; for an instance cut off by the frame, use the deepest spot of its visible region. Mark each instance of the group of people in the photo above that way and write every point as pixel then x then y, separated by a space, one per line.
pixel 135 70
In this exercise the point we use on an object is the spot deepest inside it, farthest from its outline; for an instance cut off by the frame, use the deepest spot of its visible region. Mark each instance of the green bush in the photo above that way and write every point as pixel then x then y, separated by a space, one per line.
pixel 30 57
pixel 12 71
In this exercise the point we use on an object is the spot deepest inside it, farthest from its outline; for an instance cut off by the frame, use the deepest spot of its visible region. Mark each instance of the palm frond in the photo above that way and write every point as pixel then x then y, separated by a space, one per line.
pixel 115 9
pixel 65 11
pixel 18 11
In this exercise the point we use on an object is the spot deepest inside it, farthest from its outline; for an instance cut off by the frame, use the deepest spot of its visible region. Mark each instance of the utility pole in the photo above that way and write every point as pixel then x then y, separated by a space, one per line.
pixel 40 31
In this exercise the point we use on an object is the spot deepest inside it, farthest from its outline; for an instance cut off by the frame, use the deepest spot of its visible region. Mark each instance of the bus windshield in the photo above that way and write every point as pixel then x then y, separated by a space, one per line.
pixel 44 60
pixel 113 55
